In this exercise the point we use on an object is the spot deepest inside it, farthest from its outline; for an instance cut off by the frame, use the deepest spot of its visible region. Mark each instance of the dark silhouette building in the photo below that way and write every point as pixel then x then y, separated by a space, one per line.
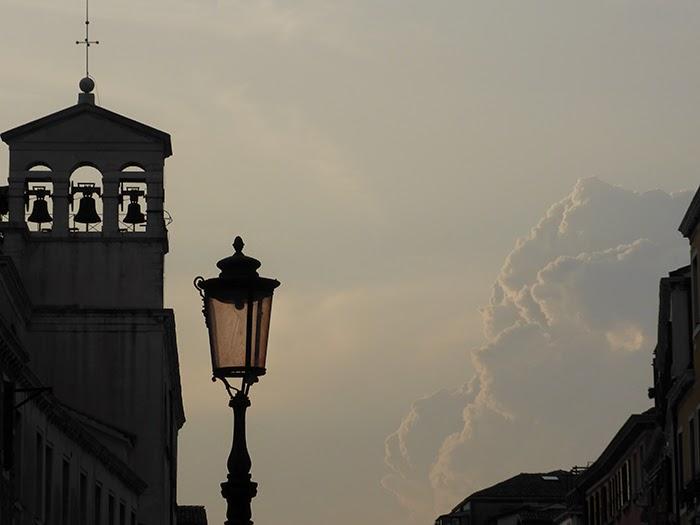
pixel 612 490
pixel 82 312
pixel 525 498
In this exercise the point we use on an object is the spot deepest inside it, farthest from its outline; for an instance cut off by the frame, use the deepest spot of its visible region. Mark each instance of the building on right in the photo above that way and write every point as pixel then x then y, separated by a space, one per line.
pixel 686 397
pixel 610 491
pixel 673 377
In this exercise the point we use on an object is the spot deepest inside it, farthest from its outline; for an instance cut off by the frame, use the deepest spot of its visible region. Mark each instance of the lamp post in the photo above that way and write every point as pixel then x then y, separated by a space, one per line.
pixel 237 308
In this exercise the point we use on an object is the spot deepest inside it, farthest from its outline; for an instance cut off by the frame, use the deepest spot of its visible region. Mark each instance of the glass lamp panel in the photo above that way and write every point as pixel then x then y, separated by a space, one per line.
pixel 262 308
pixel 227 333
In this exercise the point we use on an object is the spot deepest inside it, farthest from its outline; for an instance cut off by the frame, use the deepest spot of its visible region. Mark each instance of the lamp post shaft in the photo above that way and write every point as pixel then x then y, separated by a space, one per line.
pixel 238 489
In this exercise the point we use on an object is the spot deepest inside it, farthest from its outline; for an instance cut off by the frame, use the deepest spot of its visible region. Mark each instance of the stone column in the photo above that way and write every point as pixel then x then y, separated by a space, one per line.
pixel 15 197
pixel 155 226
pixel 110 203
pixel 60 200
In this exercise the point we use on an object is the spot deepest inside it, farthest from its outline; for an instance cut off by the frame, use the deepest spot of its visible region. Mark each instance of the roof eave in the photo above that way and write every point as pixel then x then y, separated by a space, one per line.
pixel 624 437
pixel 690 219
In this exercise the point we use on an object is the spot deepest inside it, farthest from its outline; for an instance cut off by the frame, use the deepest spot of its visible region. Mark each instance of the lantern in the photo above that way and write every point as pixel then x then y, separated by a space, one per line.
pixel 237 309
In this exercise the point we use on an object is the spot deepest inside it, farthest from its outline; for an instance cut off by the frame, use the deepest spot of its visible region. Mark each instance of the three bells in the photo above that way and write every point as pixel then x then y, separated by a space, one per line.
pixel 87 205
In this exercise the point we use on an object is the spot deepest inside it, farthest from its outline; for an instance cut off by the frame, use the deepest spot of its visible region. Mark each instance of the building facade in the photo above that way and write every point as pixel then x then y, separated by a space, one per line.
pixel 686 436
pixel 53 469
pixel 88 253
pixel 611 490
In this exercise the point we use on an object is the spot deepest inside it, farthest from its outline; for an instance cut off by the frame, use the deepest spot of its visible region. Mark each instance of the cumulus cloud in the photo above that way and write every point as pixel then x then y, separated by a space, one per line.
pixel 569 331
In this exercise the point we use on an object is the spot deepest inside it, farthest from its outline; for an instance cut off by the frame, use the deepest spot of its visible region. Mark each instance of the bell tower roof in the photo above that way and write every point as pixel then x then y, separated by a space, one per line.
pixel 90 125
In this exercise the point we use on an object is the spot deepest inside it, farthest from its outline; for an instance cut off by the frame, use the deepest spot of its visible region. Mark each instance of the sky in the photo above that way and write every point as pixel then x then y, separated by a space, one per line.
pixel 468 203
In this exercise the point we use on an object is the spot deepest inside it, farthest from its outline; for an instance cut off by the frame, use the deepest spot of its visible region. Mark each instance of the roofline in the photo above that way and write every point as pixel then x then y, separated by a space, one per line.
pixel 14 133
pixel 478 495
pixel 619 443
pixel 691 217
pixel 680 273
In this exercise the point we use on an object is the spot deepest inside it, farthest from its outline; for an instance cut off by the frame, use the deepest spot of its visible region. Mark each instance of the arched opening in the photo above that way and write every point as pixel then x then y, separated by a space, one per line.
pixel 38 166
pixel 38 206
pixel 133 167
pixel 132 206
pixel 38 198
pixel 85 200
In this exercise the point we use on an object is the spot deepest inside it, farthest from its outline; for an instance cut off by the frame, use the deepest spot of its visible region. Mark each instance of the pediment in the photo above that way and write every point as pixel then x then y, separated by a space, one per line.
pixel 87 124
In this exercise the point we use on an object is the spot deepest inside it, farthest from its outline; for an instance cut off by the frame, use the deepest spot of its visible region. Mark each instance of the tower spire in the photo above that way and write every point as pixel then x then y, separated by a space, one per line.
pixel 86 41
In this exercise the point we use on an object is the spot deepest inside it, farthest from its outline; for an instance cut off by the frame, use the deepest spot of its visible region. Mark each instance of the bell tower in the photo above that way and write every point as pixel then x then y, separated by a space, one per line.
pixel 96 255
pixel 83 220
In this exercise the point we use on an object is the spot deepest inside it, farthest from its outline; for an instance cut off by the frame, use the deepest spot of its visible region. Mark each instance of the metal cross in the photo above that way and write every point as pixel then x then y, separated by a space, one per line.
pixel 87 40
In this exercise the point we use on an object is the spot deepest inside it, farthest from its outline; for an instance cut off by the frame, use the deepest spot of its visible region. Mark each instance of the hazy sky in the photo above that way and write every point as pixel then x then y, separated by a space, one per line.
pixel 382 158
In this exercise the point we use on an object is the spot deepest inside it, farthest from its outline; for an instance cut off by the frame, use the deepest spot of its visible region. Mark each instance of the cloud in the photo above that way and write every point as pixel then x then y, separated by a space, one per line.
pixel 569 330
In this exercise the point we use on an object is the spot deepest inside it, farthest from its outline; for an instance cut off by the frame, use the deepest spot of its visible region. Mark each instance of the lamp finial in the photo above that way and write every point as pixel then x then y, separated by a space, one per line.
pixel 238 244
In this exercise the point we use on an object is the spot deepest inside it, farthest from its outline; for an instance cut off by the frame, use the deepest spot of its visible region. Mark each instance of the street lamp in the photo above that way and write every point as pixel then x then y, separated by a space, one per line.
pixel 237 308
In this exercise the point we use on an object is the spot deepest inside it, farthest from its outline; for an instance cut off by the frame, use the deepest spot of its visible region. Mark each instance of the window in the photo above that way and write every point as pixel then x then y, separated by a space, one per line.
pixel 122 513
pixel 65 492
pixel 39 474
pixel 691 446
pixel 625 483
pixel 696 444
pixel 695 286
pixel 605 503
pixel 133 518
pixel 641 465
pixel 98 504
pixel 679 461
pixel 110 510
pixel 82 497
pixel 5 425
pixel 48 483
pixel 17 459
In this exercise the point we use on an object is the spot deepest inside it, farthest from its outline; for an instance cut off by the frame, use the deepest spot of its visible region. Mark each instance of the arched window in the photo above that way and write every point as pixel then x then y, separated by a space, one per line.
pixel 86 200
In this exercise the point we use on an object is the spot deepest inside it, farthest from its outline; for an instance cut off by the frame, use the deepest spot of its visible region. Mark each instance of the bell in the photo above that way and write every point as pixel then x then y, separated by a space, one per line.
pixel 87 212
pixel 134 214
pixel 40 212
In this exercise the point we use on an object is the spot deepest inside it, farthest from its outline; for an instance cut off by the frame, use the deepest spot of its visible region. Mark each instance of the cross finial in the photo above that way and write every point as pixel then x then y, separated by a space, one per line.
pixel 87 42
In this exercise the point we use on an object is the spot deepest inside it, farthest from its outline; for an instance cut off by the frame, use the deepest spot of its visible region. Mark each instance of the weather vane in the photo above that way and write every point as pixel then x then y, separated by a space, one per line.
pixel 87 40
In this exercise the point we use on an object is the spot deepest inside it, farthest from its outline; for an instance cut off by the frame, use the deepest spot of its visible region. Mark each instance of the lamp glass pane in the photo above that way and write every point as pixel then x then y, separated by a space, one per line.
pixel 227 332
pixel 262 308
